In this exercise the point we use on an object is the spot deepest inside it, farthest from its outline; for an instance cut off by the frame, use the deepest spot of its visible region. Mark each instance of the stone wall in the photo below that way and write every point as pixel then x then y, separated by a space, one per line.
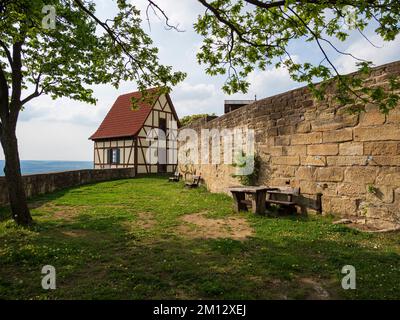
pixel 352 160
pixel 37 184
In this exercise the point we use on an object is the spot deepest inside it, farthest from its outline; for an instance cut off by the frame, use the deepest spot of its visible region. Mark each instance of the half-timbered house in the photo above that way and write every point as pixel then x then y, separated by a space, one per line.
pixel 129 137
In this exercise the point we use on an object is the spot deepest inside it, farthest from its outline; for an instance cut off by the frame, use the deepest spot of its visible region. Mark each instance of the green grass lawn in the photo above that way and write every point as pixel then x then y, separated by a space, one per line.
pixel 145 238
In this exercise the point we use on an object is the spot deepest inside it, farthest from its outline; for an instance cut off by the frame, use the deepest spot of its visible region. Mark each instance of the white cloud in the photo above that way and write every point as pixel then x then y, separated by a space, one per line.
pixel 186 90
pixel 270 82
pixel 197 98
pixel 386 52
pixel 192 98
pixel 47 140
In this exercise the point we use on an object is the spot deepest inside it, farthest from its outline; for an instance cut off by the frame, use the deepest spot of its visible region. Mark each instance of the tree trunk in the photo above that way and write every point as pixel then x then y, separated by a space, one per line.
pixel 12 170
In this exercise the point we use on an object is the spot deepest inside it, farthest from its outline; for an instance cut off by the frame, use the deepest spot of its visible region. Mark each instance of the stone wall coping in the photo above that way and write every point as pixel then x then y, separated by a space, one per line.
pixel 289 93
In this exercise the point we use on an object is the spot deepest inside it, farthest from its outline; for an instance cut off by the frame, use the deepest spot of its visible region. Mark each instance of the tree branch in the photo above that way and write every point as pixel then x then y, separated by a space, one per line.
pixel 274 4
pixel 266 5
pixel 4 95
pixel 153 4
pixel 36 93
pixel 317 39
pixel 16 81
pixel 112 35
pixel 16 76
pixel 7 52
pixel 225 21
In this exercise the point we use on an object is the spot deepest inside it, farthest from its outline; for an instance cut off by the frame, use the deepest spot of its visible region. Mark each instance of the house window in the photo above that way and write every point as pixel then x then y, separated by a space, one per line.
pixel 162 146
pixel 113 156
pixel 163 124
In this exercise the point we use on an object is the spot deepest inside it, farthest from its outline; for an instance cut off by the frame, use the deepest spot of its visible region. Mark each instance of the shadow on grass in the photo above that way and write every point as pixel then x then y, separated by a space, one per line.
pixel 99 265
pixel 97 257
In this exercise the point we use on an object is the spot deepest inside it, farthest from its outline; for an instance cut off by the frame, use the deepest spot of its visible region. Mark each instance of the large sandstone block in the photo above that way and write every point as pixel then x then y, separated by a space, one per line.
pixel 339 121
pixel 270 141
pixel 338 135
pixel 394 116
pixel 294 150
pixel 284 130
pixel 272 150
pixel 389 177
pixel 308 187
pixel 360 175
pixel 329 174
pixel 286 160
pixel 319 161
pixel 310 115
pixel 384 161
pixel 282 140
pixel 305 173
pixel 339 205
pixel 325 125
pixel 282 122
pixel 272 132
pixel 351 149
pixel 303 127
pixel 381 194
pixel 307 138
pixel 283 171
pixel 338 161
pixel 327 188
pixel 381 148
pixel 275 116
pixel 351 189
pixel 372 118
pixel 379 133
pixel 308 103
pixel 279 182
pixel 328 149
pixel 343 116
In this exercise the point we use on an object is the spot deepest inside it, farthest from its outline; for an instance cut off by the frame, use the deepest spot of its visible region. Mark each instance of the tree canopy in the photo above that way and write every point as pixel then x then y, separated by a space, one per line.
pixel 186 120
pixel 78 52
pixel 241 35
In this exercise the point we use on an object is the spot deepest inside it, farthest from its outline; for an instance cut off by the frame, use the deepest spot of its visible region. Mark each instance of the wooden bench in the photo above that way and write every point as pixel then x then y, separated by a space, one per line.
pixel 194 183
pixel 175 177
pixel 283 192
pixel 257 195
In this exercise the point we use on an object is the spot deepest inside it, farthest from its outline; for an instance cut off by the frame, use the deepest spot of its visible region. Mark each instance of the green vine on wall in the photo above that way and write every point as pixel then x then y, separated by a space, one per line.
pixel 187 167
pixel 241 161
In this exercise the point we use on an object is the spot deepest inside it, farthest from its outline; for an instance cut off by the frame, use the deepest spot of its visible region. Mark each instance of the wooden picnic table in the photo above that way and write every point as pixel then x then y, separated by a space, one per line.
pixel 257 195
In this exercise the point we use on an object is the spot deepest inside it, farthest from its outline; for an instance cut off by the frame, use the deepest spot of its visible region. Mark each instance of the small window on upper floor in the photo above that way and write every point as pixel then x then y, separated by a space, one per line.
pixel 114 156
pixel 163 124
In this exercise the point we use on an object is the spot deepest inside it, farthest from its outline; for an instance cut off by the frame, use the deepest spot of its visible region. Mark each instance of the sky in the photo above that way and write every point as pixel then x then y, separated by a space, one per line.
pixel 59 129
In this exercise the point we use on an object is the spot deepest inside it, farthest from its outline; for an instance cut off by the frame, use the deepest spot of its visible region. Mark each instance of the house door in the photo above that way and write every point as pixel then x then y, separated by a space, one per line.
pixel 162 147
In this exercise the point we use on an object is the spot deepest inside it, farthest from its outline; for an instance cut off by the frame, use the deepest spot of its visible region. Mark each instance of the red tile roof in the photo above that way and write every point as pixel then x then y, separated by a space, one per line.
pixel 121 120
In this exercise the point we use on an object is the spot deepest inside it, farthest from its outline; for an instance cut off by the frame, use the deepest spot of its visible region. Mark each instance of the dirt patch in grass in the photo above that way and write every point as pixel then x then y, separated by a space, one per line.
pixel 197 225
pixel 144 220
pixel 62 212
pixel 66 212
pixel 317 292
pixel 78 233
pixel 300 288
